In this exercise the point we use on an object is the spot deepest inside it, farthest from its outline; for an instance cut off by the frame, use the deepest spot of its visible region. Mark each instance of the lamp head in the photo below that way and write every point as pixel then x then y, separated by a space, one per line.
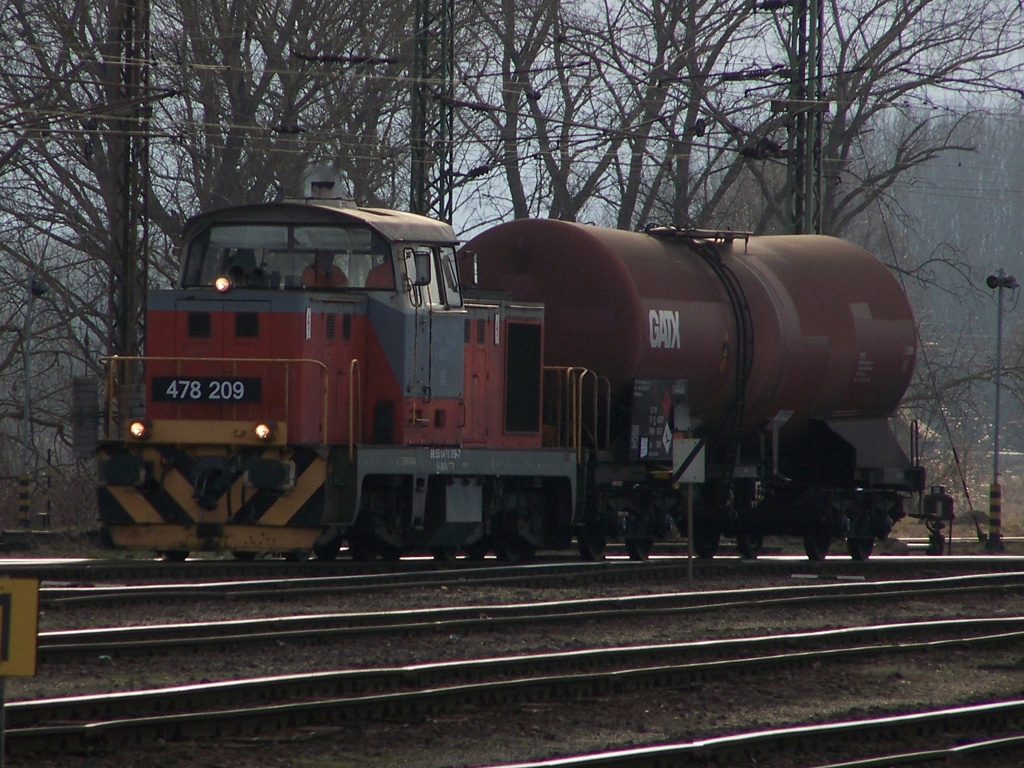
pixel 1003 281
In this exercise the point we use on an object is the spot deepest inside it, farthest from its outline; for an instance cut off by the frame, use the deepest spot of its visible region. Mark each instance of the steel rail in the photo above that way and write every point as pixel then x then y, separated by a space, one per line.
pixel 754 747
pixel 933 756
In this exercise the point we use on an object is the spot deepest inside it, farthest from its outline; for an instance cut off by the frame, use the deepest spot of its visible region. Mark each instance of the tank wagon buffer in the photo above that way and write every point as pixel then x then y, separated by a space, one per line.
pixel 316 376
pixel 784 356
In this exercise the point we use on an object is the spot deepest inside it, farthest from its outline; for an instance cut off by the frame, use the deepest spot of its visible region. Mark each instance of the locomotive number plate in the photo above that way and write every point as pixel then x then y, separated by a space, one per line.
pixel 207 389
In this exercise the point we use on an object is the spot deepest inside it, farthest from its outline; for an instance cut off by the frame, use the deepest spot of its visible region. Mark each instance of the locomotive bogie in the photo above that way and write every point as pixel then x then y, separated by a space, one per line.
pixel 445 499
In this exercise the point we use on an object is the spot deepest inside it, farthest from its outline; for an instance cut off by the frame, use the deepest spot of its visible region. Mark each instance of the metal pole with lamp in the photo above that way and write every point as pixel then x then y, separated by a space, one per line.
pixel 994 543
pixel 35 288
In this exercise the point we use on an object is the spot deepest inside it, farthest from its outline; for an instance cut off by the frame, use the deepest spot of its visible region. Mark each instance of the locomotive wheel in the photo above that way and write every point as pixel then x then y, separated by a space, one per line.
pixel 705 541
pixel 245 557
pixel 749 545
pixel 444 554
pixel 639 547
pixel 860 547
pixel 360 549
pixel 816 545
pixel 514 550
pixel 175 555
pixel 591 542
pixel 327 553
pixel 476 551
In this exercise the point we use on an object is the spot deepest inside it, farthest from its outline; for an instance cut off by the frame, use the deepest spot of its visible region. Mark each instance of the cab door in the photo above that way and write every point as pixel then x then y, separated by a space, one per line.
pixel 437 349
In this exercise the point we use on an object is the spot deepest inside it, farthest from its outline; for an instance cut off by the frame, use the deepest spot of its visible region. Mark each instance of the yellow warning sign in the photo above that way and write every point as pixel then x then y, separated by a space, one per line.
pixel 19 624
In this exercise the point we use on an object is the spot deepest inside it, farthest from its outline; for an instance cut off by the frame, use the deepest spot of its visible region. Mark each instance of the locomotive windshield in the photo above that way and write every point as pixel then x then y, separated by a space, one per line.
pixel 289 256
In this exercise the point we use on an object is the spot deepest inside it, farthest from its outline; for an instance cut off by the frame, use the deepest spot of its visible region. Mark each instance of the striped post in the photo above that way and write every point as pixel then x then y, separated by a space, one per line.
pixel 994 543
pixel 24 499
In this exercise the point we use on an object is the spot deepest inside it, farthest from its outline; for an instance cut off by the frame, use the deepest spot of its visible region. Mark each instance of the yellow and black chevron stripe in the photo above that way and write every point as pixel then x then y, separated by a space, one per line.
pixel 164 497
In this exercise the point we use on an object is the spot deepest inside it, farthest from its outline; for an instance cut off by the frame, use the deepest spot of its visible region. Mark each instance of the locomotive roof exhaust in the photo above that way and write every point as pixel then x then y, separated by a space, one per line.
pixel 321 190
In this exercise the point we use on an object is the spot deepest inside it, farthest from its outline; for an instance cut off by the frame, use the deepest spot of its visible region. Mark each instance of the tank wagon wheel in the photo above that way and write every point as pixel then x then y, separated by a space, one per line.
pixel 242 556
pixel 860 547
pixel 816 545
pixel 749 545
pixel 444 554
pixel 175 555
pixel 705 540
pixel 591 542
pixel 639 547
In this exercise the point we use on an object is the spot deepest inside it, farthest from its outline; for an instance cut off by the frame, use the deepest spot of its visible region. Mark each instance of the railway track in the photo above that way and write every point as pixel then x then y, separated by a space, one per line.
pixel 95 587
pixel 260 706
pixel 73 645
pixel 103 580
pixel 227 714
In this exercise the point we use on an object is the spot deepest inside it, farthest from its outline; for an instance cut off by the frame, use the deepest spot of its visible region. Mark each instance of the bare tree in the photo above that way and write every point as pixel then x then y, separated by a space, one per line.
pixel 633 111
pixel 245 97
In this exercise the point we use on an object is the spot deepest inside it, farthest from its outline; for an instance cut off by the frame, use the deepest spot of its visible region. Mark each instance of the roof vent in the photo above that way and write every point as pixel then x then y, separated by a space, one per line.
pixel 321 190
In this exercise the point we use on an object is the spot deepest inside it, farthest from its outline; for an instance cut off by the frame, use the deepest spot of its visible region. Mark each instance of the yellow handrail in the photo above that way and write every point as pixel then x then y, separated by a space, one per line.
pixel 570 424
pixel 354 411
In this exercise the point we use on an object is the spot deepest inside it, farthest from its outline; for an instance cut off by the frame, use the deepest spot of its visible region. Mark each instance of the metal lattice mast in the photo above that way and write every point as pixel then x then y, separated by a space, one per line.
pixel 805 105
pixel 130 169
pixel 433 115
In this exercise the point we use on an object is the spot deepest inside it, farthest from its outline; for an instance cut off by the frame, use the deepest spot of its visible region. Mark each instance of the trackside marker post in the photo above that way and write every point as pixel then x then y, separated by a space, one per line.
pixel 19 638
pixel 688 455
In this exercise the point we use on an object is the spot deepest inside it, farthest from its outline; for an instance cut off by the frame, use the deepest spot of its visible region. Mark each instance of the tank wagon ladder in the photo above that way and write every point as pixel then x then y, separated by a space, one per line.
pixel 703 242
pixel 727 443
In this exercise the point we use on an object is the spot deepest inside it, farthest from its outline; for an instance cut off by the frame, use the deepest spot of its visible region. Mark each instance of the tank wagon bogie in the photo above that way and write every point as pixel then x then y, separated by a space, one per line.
pixel 323 374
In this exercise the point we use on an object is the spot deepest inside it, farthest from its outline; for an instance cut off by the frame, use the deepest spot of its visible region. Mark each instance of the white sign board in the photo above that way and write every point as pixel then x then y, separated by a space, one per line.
pixel 688 456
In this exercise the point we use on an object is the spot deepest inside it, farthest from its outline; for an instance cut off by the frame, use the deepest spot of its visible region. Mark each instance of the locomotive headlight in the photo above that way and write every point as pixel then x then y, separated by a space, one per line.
pixel 140 429
pixel 222 284
pixel 265 430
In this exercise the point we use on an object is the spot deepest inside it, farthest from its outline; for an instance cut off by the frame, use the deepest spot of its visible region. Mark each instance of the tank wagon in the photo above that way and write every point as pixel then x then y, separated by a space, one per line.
pixel 323 374
pixel 781 357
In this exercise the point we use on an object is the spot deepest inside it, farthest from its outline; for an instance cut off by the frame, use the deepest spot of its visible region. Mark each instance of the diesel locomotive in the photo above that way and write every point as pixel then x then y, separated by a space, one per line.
pixel 324 375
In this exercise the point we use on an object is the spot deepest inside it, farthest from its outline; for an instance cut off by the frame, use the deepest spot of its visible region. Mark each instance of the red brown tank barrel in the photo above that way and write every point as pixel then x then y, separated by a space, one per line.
pixel 833 334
